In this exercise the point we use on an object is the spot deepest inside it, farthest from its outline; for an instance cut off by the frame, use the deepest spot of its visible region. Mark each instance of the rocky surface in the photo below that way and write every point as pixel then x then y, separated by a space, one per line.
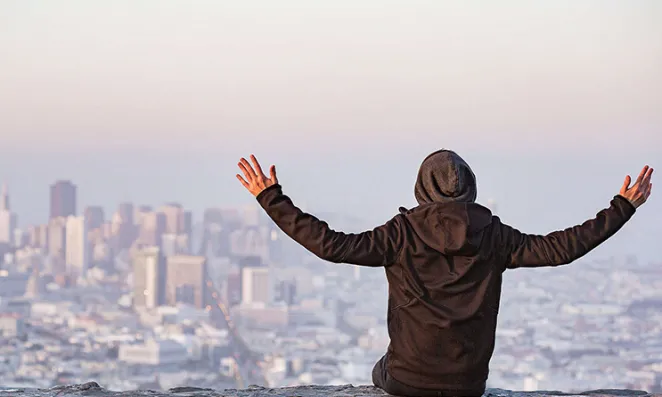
pixel 92 389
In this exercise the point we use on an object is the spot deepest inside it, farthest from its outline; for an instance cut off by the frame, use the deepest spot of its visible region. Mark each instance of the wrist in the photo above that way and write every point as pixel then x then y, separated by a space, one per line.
pixel 630 202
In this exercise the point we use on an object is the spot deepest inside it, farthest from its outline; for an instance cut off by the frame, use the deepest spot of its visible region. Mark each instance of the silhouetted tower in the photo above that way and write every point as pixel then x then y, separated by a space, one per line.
pixel 63 199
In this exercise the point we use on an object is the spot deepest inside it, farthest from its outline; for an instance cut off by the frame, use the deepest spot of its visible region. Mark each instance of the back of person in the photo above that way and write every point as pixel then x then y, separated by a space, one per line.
pixel 444 261
pixel 444 294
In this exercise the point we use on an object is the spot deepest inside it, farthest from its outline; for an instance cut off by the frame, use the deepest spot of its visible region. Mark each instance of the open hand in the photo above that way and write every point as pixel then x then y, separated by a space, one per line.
pixel 255 180
pixel 638 193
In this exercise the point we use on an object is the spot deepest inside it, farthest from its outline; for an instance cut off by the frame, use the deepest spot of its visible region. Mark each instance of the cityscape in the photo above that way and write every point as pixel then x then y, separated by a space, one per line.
pixel 151 297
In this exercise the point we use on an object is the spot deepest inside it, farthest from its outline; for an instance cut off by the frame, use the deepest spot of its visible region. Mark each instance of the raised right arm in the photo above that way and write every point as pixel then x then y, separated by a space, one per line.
pixel 564 246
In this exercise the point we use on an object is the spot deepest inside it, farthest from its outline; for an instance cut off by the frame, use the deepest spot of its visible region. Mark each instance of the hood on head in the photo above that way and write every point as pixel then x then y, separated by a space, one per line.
pixel 445 177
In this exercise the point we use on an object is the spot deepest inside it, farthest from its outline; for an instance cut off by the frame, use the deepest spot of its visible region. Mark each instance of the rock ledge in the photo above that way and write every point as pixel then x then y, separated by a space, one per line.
pixel 93 389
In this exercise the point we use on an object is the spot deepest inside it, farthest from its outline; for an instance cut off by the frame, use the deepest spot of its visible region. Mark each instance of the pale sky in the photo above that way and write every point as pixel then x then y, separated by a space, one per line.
pixel 168 74
pixel 552 102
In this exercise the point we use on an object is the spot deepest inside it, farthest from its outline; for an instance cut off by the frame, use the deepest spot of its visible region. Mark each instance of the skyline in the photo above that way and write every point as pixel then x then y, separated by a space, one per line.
pixel 551 104
pixel 557 197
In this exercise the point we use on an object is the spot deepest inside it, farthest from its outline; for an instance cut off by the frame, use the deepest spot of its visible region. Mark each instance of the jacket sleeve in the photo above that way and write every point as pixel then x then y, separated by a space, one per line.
pixel 379 247
pixel 565 246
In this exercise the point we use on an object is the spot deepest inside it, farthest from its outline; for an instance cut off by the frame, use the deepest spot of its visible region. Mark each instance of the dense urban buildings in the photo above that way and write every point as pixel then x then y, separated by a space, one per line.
pixel 148 298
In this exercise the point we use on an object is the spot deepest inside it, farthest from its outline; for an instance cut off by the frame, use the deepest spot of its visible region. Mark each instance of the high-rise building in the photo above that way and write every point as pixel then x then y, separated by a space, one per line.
pixel 126 211
pixel 186 280
pixel 123 228
pixel 250 241
pixel 175 244
pixel 63 199
pixel 178 220
pixel 77 258
pixel 149 275
pixel 94 217
pixel 287 292
pixel 139 213
pixel 57 237
pixel 174 215
pixel 233 287
pixel 186 222
pixel 255 285
pixel 20 238
pixel 38 236
pixel 34 236
pixel 152 229
pixel 7 219
pixel 4 198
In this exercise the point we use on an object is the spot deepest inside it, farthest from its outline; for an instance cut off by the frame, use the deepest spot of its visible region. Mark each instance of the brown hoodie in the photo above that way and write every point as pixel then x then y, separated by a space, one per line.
pixel 444 263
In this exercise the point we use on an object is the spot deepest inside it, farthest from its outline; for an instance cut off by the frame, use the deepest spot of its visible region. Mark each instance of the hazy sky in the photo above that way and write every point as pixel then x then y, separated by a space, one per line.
pixel 146 100
pixel 88 73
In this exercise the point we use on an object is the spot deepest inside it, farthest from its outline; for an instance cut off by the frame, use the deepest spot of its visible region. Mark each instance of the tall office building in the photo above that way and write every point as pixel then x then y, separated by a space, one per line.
pixel 149 275
pixel 126 212
pixel 178 220
pixel 38 236
pixel 248 241
pixel 77 258
pixel 63 199
pixel 287 292
pixel 255 285
pixel 186 280
pixel 123 228
pixel 43 236
pixel 94 217
pixel 139 213
pixel 232 290
pixel 175 244
pixel 174 215
pixel 4 198
pixel 7 219
pixel 57 237
pixel 152 228
pixel 186 223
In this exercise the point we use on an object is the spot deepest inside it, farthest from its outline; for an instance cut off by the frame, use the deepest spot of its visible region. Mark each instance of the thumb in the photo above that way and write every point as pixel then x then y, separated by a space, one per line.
pixel 626 184
pixel 272 172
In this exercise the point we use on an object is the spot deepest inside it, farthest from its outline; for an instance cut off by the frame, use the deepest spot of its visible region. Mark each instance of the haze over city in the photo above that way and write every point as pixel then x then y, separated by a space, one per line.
pixel 154 102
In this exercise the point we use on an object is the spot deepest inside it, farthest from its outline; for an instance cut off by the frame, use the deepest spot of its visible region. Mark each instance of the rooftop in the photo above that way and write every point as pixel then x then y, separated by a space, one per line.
pixel 93 389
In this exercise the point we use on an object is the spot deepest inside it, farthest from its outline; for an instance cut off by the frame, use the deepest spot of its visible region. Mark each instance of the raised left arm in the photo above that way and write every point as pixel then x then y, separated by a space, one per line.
pixel 378 247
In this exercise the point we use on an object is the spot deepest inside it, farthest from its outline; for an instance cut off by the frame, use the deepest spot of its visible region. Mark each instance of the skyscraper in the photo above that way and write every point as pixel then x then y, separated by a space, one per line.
pixel 7 219
pixel 123 227
pixel 232 289
pixel 186 280
pixel 4 198
pixel 152 228
pixel 148 278
pixel 126 212
pixel 255 285
pixel 57 237
pixel 77 258
pixel 94 216
pixel 174 215
pixel 63 199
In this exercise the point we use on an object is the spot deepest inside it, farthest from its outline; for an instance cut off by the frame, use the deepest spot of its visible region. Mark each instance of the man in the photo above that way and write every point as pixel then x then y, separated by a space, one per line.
pixel 443 261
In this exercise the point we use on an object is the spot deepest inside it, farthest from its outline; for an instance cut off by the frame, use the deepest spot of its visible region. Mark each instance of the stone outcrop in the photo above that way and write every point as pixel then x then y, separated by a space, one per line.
pixel 92 389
